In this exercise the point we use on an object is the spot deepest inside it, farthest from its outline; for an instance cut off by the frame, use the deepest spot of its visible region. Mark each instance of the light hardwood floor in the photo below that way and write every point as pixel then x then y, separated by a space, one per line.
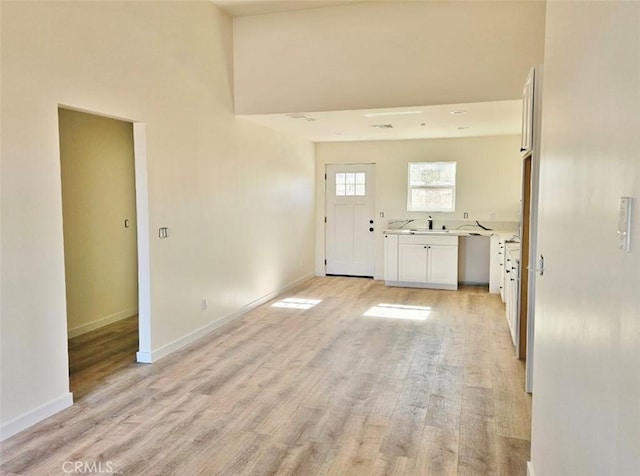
pixel 325 390
pixel 96 355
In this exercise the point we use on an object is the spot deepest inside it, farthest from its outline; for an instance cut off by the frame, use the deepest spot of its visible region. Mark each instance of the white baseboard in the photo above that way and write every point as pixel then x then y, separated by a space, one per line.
pixel 530 471
pixel 26 420
pixel 150 357
pixel 104 321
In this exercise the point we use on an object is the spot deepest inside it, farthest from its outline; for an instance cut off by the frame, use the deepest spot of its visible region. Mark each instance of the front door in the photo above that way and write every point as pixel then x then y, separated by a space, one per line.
pixel 349 228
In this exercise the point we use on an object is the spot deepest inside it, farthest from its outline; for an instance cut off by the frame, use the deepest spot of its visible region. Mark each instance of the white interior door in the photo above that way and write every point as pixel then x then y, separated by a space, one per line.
pixel 350 235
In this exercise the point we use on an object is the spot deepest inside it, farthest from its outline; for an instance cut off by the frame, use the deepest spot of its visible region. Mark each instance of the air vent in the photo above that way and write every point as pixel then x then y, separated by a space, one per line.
pixel 383 126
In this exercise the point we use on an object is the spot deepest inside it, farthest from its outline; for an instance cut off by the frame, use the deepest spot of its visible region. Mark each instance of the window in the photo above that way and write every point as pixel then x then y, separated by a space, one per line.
pixel 431 187
pixel 350 184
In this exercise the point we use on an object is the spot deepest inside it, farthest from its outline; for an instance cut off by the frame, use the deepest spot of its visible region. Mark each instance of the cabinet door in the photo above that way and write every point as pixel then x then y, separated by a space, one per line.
pixel 412 263
pixel 512 303
pixel 390 257
pixel 442 264
pixel 527 114
pixel 495 264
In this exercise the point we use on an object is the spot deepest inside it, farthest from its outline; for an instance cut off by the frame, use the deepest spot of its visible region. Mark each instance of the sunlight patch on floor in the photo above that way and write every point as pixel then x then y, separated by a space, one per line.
pixel 297 303
pixel 399 311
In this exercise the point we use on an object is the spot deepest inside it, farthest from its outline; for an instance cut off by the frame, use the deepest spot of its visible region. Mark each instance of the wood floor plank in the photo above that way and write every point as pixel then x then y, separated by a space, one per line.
pixel 438 451
pixel 283 391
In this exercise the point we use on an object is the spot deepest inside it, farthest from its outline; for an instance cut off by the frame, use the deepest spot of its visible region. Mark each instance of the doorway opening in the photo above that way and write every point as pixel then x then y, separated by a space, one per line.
pixel 105 295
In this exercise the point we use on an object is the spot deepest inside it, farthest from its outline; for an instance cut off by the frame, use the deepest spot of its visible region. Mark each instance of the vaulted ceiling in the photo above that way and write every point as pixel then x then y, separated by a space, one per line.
pixel 384 70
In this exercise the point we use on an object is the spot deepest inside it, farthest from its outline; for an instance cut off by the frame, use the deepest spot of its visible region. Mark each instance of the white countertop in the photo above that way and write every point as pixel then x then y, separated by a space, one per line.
pixel 458 232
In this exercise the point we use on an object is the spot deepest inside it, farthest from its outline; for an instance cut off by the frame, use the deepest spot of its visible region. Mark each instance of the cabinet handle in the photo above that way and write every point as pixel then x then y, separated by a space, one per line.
pixel 370 229
pixel 522 149
pixel 371 221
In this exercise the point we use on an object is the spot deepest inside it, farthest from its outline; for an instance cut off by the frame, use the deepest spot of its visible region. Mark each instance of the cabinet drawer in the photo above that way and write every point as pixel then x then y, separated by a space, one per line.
pixel 428 240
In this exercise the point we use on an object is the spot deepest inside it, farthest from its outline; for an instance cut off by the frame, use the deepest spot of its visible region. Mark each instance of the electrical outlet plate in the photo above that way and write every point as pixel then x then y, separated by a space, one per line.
pixel 624 223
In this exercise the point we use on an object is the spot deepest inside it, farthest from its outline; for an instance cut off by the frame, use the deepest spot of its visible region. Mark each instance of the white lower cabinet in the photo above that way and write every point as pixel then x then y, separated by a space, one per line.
pixel 442 264
pixel 390 257
pixel 425 261
pixel 412 263
pixel 512 290
pixel 496 264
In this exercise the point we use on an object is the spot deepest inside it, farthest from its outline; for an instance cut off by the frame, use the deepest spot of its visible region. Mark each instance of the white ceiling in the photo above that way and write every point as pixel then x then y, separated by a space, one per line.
pixel 418 122
pixel 428 122
pixel 238 8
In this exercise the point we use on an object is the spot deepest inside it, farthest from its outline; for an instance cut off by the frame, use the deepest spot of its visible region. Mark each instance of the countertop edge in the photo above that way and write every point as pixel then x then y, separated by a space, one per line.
pixel 475 232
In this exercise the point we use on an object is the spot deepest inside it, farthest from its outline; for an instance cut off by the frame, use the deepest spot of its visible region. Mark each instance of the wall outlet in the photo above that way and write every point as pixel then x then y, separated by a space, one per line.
pixel 381 214
pixel 203 304
pixel 465 215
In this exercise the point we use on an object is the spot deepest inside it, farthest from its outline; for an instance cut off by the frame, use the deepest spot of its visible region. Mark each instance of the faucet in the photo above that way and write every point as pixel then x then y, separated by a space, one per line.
pixel 430 223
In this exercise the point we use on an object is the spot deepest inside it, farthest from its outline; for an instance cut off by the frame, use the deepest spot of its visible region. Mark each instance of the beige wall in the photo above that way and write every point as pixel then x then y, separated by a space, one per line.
pixel 488 181
pixel 586 373
pixel 98 195
pixel 237 198
pixel 385 54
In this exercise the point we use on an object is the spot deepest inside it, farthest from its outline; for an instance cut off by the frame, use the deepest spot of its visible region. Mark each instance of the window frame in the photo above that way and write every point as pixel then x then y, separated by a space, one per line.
pixel 410 188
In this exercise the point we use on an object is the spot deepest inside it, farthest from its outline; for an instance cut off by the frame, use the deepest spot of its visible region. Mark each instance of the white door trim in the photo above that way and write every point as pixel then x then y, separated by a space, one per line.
pixel 144 255
pixel 142 221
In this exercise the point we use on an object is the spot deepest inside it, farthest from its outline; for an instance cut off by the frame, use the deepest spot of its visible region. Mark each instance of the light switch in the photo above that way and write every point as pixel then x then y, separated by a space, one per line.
pixel 624 223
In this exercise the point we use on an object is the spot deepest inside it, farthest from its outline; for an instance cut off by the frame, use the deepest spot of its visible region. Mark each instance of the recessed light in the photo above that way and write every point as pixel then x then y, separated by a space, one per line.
pixel 391 113
pixel 463 127
pixel 383 126
pixel 458 111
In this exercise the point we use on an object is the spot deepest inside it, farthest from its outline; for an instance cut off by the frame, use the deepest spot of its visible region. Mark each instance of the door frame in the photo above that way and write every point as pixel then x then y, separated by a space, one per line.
pixel 142 223
pixel 325 210
pixel 531 269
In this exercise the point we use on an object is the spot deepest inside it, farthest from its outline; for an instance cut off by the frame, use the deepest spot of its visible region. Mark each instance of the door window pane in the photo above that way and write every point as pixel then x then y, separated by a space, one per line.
pixel 350 184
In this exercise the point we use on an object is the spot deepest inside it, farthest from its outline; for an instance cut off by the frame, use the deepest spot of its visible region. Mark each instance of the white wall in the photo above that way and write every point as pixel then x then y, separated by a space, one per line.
pixel 586 381
pixel 238 199
pixel 98 195
pixel 488 181
pixel 385 54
